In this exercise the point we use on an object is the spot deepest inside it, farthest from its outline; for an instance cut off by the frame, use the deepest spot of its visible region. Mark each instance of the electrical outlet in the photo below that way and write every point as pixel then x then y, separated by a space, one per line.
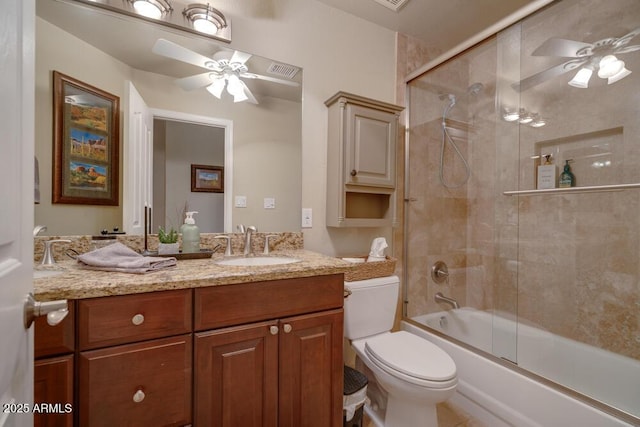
pixel 307 218
pixel 241 202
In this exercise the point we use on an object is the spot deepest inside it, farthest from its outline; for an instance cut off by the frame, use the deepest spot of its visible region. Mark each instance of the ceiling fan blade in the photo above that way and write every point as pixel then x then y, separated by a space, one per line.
pixel 626 38
pixel 175 51
pixel 252 99
pixel 627 49
pixel 560 47
pixel 547 74
pixel 195 82
pixel 239 57
pixel 269 79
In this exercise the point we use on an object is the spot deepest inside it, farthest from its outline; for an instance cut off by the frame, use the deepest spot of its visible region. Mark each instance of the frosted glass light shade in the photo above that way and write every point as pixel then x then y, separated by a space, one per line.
pixel 619 76
pixel 581 79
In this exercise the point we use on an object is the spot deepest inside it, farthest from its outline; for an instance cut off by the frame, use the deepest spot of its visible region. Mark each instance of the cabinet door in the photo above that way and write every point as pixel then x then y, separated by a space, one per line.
pixel 311 370
pixel 143 384
pixel 236 377
pixel 53 340
pixel 370 147
pixel 53 388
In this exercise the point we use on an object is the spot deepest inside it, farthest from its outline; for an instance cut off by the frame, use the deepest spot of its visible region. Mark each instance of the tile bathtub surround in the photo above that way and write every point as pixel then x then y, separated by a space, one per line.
pixel 82 244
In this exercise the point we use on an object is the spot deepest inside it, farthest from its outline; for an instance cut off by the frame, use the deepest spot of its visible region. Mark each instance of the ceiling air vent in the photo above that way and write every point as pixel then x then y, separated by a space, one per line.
pixel 282 70
pixel 394 5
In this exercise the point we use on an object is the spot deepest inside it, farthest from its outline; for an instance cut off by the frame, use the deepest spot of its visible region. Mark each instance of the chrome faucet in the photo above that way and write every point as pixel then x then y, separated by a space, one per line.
pixel 441 298
pixel 47 256
pixel 247 240
pixel 38 229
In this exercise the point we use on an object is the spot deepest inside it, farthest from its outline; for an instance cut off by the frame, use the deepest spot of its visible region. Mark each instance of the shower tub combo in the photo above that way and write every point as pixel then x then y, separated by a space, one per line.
pixel 548 278
pixel 505 397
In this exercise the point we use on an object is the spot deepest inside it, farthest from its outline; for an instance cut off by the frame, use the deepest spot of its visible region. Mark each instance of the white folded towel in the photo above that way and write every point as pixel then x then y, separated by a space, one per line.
pixel 118 257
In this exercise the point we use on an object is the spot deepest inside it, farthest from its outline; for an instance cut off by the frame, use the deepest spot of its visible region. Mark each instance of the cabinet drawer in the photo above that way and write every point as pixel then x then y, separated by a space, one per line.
pixel 229 305
pixel 53 340
pixel 130 318
pixel 142 384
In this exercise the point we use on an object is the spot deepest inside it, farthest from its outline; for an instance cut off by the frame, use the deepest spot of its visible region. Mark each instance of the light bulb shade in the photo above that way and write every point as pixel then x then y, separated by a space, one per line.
pixel 234 87
pixel 216 87
pixel 619 76
pixel 609 66
pixel 581 79
pixel 510 115
pixel 151 8
pixel 525 117
pixel 204 18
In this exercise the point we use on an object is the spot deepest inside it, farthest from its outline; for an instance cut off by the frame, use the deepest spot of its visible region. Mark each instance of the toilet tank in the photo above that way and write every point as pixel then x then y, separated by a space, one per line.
pixel 371 307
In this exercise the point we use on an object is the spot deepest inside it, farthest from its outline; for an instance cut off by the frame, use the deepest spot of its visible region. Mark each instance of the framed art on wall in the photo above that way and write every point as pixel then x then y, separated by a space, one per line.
pixel 85 143
pixel 208 179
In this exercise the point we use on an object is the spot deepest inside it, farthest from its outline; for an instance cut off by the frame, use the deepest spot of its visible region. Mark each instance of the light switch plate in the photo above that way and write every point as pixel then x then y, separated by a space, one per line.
pixel 307 218
pixel 241 202
pixel 269 203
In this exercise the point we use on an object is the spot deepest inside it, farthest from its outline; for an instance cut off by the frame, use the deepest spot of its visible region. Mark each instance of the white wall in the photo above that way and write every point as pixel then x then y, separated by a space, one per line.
pixel 337 51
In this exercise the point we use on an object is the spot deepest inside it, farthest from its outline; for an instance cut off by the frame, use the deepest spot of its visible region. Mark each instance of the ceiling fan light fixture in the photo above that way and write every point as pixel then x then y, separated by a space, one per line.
pixel 154 9
pixel 610 66
pixel 582 77
pixel 537 122
pixel 216 87
pixel 619 76
pixel 204 18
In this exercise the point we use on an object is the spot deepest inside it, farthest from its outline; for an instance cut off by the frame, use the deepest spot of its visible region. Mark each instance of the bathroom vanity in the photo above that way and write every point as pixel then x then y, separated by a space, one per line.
pixel 200 344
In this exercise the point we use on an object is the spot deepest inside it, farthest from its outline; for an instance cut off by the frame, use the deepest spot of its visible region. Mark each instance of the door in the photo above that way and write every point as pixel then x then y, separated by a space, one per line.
pixel 138 168
pixel 17 21
pixel 311 370
pixel 236 379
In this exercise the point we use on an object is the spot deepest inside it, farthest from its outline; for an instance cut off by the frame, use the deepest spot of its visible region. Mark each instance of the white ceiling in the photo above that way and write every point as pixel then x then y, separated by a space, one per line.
pixel 440 24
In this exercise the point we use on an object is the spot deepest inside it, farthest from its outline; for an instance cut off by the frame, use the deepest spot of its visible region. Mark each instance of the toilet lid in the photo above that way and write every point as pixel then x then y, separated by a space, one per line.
pixel 411 355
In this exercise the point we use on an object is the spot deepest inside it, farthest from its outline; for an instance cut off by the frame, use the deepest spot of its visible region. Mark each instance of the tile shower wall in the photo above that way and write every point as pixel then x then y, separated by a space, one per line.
pixel 569 264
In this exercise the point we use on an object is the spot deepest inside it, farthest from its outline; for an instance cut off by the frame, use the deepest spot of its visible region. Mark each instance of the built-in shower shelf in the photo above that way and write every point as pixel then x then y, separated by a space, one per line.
pixel 586 189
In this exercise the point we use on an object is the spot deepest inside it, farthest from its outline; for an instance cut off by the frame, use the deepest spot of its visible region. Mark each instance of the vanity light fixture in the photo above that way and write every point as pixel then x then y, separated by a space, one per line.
pixel 154 9
pixel 205 18
pixel 537 121
pixel 510 115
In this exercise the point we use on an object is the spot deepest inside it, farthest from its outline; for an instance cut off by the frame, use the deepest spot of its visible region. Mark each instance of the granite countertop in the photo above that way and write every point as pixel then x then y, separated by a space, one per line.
pixel 76 282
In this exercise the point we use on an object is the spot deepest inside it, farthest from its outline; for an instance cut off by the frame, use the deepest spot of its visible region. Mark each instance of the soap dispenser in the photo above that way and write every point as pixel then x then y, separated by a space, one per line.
pixel 190 234
pixel 567 178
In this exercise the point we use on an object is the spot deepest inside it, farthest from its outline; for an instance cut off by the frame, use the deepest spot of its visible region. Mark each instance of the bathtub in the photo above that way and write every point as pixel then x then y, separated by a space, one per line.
pixel 500 396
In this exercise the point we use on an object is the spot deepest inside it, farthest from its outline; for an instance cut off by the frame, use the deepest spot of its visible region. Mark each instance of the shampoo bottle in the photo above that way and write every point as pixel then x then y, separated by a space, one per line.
pixel 567 179
pixel 190 234
pixel 546 173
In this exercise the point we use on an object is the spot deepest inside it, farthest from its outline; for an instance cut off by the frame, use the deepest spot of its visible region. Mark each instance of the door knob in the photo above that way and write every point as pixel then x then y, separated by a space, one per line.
pixel 54 310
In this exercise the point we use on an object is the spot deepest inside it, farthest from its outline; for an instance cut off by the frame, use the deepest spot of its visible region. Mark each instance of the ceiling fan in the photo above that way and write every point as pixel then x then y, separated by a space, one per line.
pixel 599 56
pixel 224 69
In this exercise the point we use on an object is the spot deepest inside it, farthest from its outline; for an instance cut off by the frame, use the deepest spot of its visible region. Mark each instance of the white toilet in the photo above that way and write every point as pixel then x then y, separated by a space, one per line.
pixel 414 374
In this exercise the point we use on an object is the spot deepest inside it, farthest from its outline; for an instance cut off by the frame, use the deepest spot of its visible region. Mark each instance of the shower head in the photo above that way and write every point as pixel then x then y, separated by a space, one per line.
pixel 475 88
pixel 451 97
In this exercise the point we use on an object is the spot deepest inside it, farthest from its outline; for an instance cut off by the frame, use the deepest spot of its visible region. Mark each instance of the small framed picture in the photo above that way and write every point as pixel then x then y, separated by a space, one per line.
pixel 207 179
pixel 85 143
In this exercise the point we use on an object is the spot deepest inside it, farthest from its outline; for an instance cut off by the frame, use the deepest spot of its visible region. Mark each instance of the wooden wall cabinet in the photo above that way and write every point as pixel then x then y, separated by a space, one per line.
pixel 361 162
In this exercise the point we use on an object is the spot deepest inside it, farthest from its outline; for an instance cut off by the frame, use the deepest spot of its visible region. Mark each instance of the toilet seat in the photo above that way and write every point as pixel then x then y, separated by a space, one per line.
pixel 411 358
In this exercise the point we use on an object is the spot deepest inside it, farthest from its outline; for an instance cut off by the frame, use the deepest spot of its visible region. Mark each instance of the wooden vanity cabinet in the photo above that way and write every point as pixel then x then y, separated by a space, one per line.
pixel 134 364
pixel 269 353
pixel 53 370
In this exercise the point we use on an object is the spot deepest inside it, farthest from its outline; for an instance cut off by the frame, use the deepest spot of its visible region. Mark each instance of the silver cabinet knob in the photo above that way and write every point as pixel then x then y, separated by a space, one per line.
pixel 138 396
pixel 287 328
pixel 138 319
pixel 273 330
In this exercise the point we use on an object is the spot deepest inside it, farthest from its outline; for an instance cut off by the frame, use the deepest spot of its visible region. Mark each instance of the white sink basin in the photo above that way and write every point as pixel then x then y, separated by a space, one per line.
pixel 39 274
pixel 258 261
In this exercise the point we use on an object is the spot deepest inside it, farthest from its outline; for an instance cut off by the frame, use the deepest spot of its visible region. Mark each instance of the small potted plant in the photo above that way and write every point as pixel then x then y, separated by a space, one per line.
pixel 168 241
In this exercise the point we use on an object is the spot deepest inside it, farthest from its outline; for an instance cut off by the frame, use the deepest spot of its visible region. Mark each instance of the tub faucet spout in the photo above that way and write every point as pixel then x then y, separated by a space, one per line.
pixel 441 298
